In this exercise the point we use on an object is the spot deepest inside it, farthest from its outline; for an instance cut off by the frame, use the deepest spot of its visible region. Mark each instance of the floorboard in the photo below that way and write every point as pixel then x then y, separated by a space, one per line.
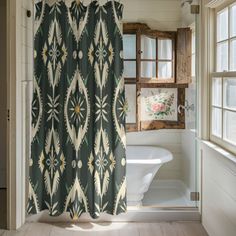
pixel 110 229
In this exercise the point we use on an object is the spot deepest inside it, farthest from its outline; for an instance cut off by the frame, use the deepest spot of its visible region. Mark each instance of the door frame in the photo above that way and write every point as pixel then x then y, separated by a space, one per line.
pixel 15 160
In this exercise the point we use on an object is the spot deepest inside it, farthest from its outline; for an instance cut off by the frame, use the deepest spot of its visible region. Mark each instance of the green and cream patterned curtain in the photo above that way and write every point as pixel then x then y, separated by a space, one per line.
pixel 78 160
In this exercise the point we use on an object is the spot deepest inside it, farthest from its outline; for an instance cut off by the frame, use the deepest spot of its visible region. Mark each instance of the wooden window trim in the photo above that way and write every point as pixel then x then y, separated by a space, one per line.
pixel 184 55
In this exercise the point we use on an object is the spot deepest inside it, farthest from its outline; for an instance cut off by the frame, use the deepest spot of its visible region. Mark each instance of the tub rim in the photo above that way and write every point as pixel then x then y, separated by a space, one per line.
pixel 160 160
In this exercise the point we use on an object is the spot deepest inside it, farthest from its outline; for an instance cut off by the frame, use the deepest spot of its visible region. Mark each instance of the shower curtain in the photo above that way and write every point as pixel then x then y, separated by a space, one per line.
pixel 77 161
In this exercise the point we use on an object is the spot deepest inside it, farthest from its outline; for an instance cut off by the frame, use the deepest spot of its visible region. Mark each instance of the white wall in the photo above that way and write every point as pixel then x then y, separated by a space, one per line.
pixel 218 191
pixel 3 95
pixel 158 14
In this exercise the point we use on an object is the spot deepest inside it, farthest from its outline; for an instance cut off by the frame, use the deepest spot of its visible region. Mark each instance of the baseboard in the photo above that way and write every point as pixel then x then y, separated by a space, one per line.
pixel 133 215
pixel 3 182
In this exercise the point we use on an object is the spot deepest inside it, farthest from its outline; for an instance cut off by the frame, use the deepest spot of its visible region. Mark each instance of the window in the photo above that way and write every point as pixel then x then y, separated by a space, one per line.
pixel 153 90
pixel 157 58
pixel 223 80
pixel 149 56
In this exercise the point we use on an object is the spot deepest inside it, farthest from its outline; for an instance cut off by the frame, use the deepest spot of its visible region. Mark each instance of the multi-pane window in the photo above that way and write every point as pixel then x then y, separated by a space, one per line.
pixel 157 58
pixel 223 80
pixel 153 89
pixel 226 39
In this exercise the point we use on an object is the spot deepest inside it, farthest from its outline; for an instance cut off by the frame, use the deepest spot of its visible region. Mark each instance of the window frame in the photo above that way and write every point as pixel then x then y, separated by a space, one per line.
pixel 158 35
pixel 139 29
pixel 221 141
pixel 132 79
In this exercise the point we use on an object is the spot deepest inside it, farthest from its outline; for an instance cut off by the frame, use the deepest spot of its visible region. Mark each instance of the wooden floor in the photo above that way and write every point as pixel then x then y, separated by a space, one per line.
pixel 100 229
pixel 110 229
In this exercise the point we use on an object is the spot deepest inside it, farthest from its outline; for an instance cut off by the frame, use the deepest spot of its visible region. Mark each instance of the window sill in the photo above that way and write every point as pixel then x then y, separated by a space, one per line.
pixel 223 152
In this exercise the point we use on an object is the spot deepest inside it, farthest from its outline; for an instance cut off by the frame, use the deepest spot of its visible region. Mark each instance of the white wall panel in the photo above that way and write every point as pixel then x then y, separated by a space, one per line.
pixel 218 192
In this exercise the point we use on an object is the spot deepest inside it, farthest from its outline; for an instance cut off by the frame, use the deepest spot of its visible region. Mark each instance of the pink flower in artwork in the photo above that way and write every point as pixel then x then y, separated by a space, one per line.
pixel 157 107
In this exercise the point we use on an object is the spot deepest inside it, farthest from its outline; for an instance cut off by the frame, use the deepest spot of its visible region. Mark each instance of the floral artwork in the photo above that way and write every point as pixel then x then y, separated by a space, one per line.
pixel 159 104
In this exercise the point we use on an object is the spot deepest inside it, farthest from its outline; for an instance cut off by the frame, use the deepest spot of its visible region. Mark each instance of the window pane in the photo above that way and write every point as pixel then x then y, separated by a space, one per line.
pixel 216 121
pixel 230 93
pixel 148 69
pixel 230 126
pixel 233 55
pixel 130 95
pixel 129 42
pixel 217 92
pixel 222 56
pixel 164 70
pixel 148 47
pixel 222 25
pixel 164 49
pixel 233 20
pixel 130 69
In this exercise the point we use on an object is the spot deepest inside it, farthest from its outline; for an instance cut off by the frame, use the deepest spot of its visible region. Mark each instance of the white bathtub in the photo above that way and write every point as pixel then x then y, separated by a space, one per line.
pixel 143 162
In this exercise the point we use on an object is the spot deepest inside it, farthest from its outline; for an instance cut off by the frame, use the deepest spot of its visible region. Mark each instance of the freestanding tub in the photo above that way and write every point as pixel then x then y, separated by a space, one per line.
pixel 143 162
